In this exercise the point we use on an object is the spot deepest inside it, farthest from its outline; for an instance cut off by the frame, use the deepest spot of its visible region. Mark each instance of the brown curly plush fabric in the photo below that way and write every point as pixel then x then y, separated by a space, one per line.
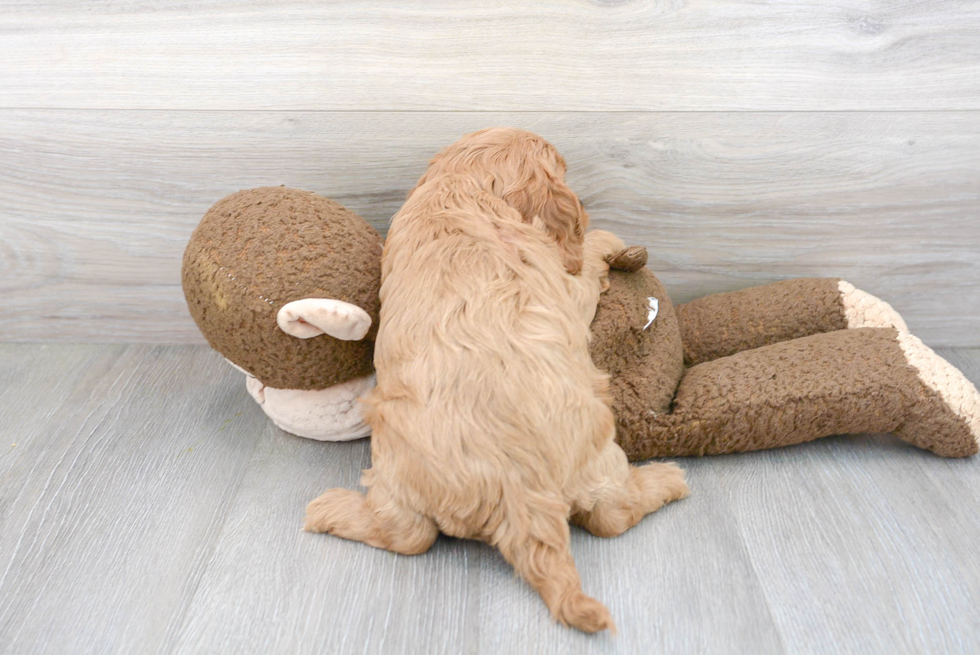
pixel 843 382
pixel 645 365
pixel 814 382
pixel 258 249
pixel 724 324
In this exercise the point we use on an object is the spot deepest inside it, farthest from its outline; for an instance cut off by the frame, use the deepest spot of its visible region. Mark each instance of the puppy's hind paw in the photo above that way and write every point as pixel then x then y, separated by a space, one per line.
pixel 656 484
pixel 585 613
pixel 334 508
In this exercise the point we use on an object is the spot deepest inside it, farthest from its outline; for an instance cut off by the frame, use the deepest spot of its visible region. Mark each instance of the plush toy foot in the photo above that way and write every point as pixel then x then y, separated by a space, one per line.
pixel 946 416
pixel 861 309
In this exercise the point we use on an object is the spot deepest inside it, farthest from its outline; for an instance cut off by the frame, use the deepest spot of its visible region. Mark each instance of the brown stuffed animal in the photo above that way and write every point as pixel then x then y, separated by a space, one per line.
pixel 770 366
pixel 284 284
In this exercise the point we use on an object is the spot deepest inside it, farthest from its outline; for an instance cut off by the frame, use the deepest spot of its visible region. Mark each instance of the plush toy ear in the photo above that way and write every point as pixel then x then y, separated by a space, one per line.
pixel 629 259
pixel 311 317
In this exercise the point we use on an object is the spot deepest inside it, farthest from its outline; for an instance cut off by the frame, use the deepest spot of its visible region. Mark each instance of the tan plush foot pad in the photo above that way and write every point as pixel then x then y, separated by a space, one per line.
pixel 946 419
pixel 861 309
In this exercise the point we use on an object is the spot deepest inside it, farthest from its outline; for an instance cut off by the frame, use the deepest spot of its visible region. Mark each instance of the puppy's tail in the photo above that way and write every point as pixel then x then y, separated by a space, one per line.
pixel 537 545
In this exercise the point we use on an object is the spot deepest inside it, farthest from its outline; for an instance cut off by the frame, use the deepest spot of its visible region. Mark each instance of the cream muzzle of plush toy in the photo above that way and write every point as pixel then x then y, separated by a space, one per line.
pixel 331 414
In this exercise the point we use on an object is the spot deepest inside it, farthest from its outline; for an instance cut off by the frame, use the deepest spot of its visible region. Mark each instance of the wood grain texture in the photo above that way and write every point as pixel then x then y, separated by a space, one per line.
pixel 307 593
pixel 97 206
pixel 510 55
pixel 114 493
pixel 861 544
pixel 272 588
pixel 149 506
pixel 673 584
pixel 961 480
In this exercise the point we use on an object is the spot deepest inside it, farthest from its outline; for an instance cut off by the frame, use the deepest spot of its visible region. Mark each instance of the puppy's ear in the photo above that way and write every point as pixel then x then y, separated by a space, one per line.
pixel 422 180
pixel 435 167
pixel 551 202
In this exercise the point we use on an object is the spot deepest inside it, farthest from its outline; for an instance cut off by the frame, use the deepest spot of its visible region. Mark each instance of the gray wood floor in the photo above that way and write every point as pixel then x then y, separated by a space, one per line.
pixel 147 506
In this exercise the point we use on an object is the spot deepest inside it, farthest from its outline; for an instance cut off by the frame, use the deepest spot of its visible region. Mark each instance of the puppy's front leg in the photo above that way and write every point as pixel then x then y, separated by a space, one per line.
pixel 599 247
pixel 594 278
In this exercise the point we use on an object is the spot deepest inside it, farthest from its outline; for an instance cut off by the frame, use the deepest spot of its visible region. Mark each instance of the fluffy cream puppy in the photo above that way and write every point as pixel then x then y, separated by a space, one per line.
pixel 489 419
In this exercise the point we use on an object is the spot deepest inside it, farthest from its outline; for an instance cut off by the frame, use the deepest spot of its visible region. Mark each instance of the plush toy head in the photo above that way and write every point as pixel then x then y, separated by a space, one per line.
pixel 636 339
pixel 284 284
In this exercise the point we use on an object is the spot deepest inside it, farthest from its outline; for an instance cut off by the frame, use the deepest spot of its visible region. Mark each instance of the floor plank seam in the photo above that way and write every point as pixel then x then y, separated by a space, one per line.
pixel 174 632
pixel 723 488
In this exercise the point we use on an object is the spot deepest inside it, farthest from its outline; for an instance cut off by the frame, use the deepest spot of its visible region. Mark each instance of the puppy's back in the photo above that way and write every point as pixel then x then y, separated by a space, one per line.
pixel 482 359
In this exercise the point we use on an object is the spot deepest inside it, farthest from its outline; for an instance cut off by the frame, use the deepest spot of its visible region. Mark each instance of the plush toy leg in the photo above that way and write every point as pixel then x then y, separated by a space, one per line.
pixel 727 323
pixel 843 382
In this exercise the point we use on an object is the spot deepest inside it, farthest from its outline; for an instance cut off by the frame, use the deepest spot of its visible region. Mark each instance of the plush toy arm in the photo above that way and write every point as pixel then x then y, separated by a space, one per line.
pixel 727 323
pixel 843 382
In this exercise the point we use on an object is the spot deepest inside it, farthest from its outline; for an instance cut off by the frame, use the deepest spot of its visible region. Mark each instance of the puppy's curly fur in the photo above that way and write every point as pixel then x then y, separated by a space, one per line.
pixel 489 419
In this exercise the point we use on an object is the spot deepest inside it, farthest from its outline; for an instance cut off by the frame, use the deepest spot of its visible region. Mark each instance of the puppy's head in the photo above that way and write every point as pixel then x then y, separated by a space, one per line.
pixel 529 175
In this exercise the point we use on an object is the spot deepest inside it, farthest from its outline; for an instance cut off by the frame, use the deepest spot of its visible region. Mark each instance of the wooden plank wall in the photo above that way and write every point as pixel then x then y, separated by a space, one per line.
pixel 741 142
